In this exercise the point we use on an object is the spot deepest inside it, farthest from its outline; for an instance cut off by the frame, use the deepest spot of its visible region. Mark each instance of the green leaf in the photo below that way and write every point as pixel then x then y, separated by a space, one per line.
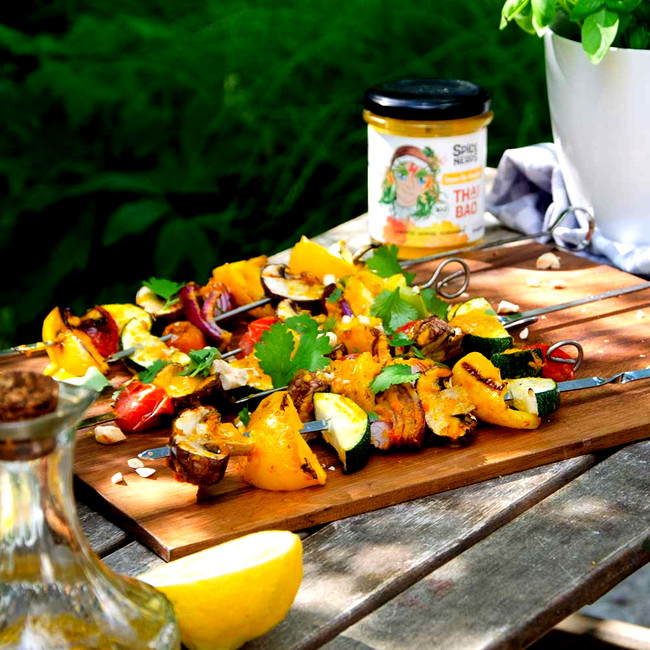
pixel 335 295
pixel 399 339
pixel 434 304
pixel 511 9
pixel 281 357
pixel 525 22
pixel 147 375
pixel 639 38
pixel 245 416
pixel 201 362
pixel 598 33
pixel 622 6
pixel 544 12
pixel 393 310
pixel 584 8
pixel 398 373
pixel 384 262
pixel 166 289
pixel 303 324
pixel 132 219
pixel 274 351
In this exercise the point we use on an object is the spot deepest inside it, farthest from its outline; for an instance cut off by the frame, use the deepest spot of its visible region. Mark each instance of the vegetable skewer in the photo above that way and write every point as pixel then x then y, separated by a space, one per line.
pixel 523 318
pixel 163 452
pixel 438 282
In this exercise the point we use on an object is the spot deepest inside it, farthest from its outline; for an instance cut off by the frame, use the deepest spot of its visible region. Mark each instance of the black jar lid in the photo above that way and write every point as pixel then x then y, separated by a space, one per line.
pixel 427 99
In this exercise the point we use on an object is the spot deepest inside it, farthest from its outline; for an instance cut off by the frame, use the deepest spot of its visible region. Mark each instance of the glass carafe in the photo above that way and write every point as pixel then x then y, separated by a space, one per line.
pixel 54 591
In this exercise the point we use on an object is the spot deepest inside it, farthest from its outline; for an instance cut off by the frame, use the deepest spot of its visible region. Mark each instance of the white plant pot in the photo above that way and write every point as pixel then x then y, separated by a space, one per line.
pixel 600 115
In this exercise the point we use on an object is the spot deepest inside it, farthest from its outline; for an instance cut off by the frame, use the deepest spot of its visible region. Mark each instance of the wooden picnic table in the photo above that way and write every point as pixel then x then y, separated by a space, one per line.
pixel 492 565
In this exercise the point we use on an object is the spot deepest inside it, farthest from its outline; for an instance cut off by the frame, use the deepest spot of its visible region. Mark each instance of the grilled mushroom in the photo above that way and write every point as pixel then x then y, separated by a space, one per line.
pixel 301 289
pixel 201 445
pixel 435 338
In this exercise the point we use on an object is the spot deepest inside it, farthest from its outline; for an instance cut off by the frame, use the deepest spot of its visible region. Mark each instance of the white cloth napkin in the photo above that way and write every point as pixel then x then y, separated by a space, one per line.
pixel 529 193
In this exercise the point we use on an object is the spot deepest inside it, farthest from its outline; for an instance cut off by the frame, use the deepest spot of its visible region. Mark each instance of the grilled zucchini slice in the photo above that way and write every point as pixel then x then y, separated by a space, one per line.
pixel 147 347
pixel 537 395
pixel 348 429
pixel 515 363
pixel 484 332
pixel 460 308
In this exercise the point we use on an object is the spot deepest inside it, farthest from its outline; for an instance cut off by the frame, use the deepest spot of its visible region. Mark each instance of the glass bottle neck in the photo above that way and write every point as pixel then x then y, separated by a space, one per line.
pixel 39 528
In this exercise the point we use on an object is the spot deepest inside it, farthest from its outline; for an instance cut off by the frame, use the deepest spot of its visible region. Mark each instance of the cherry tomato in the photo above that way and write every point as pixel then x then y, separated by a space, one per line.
pixel 555 369
pixel 140 406
pixel 185 336
pixel 254 333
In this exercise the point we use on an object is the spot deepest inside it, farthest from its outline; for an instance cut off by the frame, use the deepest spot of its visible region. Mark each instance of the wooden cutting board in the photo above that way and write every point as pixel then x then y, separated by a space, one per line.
pixel 167 517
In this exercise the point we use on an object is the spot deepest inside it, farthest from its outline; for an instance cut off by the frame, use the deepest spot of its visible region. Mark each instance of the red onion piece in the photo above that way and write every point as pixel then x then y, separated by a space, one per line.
pixel 190 298
pixel 346 310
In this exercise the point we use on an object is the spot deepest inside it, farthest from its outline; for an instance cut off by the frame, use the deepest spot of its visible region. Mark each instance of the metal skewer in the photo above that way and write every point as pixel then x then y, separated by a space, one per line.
pixel 26 349
pixel 437 282
pixel 530 315
pixel 595 382
pixel 162 452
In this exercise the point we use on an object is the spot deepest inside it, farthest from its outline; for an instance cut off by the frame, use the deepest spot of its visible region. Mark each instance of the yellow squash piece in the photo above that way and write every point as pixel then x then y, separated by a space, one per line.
pixel 123 313
pixel 486 390
pixel 281 460
pixel 74 352
pixel 243 279
pixel 309 257
pixel 363 335
pixel 353 375
pixel 376 284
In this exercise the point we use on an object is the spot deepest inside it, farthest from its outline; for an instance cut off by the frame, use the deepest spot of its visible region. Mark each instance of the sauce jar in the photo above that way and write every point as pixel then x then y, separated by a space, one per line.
pixel 427 150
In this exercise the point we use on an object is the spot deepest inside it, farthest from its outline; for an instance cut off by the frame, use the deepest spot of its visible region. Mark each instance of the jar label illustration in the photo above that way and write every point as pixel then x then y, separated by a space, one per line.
pixel 426 192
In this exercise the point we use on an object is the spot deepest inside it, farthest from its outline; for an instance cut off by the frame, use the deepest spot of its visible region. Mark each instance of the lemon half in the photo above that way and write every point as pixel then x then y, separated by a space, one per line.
pixel 231 593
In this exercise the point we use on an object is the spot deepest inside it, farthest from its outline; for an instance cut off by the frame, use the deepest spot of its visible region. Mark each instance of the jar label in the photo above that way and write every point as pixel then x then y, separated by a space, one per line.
pixel 426 192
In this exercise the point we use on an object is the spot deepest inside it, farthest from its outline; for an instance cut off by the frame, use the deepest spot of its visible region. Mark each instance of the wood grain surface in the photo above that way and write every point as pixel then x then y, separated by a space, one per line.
pixel 167 517
pixel 573 547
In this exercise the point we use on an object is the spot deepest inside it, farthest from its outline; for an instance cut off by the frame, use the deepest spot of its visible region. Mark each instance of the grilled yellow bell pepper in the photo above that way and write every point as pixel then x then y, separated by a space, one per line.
pixel 486 390
pixel 280 460
pixel 71 351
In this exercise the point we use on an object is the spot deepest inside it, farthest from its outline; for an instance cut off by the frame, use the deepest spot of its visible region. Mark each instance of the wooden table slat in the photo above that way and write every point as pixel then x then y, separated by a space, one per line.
pixel 132 559
pixel 353 565
pixel 572 547
pixel 104 536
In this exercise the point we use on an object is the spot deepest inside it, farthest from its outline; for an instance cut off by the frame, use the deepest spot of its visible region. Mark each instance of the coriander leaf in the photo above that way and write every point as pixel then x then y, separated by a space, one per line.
pixel 147 375
pixel 201 362
pixel 281 357
pixel 303 324
pixel 399 339
pixel 434 304
pixel 384 262
pixel 335 295
pixel 166 289
pixel 329 324
pixel 310 354
pixel 245 416
pixel 393 310
pixel 398 373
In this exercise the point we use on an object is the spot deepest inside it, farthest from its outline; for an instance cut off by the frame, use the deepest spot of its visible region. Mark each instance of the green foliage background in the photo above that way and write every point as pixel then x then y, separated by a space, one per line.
pixel 165 137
